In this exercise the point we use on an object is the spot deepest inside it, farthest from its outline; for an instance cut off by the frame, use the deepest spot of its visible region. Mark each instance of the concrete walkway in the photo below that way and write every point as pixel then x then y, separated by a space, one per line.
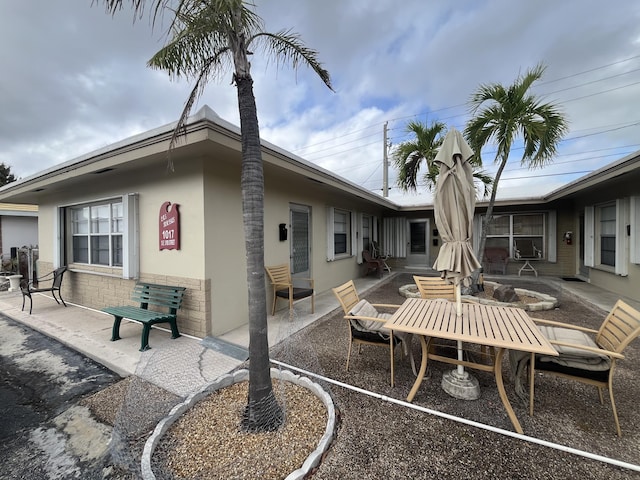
pixel 183 365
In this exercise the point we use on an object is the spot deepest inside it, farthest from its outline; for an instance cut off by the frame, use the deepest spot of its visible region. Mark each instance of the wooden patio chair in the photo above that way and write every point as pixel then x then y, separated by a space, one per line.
pixel 283 287
pixel 372 264
pixel 376 252
pixel 432 288
pixel 586 355
pixel 365 323
pixel 435 287
pixel 29 288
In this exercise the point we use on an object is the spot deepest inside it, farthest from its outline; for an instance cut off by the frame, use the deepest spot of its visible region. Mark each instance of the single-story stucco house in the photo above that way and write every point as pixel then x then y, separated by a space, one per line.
pixel 119 214
pixel 18 228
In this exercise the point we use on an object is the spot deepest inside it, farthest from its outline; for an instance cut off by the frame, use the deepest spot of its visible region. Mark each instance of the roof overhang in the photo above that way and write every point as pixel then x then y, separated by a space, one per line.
pixel 629 165
pixel 204 129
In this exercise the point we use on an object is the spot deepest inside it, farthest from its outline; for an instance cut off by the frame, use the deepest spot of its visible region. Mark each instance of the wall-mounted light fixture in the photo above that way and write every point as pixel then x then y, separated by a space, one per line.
pixel 568 238
pixel 282 228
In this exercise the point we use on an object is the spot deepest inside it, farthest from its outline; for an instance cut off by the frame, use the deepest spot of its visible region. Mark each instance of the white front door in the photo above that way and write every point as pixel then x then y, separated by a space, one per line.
pixel 418 242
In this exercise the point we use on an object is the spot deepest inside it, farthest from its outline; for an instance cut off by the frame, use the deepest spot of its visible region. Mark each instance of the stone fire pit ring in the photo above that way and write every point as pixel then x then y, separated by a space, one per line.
pixel 547 302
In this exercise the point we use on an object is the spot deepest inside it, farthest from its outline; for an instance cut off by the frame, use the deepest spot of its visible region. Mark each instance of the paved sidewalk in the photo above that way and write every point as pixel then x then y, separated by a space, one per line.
pixel 183 365
pixel 180 365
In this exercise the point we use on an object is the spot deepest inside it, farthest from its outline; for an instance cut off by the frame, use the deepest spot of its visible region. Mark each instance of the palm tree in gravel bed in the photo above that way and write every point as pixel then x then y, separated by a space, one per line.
pixel 207 39
pixel 501 114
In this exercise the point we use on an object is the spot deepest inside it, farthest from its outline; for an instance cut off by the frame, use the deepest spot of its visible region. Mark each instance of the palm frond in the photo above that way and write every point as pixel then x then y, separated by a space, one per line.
pixel 190 49
pixel 285 47
pixel 410 156
pixel 138 7
pixel 485 180
pixel 196 93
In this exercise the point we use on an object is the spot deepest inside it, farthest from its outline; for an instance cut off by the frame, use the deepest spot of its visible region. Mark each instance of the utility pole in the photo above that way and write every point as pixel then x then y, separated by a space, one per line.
pixel 385 163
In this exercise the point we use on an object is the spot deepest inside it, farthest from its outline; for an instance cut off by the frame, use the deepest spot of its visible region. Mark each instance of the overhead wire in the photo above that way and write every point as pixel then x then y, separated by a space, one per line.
pixel 395 139
pixel 546 83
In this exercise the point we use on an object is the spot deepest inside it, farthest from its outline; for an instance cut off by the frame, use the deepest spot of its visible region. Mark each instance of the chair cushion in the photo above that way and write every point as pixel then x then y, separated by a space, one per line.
pixel 572 358
pixel 365 309
pixel 297 293
pixel 598 375
pixel 373 337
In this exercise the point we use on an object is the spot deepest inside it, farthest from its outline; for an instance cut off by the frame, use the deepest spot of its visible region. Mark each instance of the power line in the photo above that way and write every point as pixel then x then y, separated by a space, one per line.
pixel 398 139
pixel 589 71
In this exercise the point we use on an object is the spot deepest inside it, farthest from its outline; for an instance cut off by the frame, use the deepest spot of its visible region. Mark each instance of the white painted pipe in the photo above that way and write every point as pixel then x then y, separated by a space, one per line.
pixel 465 421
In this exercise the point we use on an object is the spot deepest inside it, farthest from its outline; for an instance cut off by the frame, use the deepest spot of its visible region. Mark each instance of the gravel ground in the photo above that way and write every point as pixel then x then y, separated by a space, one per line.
pixel 378 439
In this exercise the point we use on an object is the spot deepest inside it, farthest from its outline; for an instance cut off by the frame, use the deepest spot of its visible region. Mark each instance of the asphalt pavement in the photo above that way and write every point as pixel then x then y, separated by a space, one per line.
pixel 44 432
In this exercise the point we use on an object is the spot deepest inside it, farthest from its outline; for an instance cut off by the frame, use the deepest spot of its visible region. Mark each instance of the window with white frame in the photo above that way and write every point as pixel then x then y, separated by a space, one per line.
pixel 366 232
pixel 606 215
pixel 341 232
pixel 607 238
pixel 521 234
pixel 96 232
pixel 101 233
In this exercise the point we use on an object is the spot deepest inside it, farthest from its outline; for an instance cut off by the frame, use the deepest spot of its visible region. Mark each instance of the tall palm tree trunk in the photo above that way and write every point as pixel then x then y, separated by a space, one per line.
pixel 489 214
pixel 262 413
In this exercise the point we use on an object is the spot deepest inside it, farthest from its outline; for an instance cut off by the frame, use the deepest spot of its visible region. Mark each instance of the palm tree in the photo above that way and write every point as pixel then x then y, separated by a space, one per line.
pixel 409 157
pixel 502 114
pixel 209 38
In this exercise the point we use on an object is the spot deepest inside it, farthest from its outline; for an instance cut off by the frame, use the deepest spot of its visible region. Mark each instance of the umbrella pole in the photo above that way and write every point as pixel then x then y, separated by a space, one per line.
pixel 459 314
pixel 458 383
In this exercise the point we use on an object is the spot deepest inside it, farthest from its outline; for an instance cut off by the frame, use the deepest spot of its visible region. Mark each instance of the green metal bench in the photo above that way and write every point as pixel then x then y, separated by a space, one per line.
pixel 163 296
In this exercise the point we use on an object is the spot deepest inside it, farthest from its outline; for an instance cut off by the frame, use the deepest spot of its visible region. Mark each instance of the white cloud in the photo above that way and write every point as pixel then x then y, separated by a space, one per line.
pixel 75 79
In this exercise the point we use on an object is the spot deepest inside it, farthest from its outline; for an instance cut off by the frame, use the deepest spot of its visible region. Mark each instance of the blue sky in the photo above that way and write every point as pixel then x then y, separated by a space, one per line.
pixel 75 80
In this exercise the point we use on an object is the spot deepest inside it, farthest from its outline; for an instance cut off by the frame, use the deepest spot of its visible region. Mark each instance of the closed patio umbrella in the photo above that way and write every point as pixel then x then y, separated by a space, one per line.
pixel 454 202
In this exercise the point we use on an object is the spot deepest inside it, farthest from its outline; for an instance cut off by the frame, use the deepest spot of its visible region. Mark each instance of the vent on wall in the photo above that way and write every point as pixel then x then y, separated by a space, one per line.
pixel 104 170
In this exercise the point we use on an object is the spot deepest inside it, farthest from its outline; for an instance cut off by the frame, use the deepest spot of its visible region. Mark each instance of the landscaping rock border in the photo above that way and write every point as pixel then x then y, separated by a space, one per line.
pixel 227 380
pixel 546 302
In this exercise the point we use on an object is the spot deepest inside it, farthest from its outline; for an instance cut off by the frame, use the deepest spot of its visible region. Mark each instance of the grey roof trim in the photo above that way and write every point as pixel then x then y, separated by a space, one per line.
pixel 205 117
pixel 612 170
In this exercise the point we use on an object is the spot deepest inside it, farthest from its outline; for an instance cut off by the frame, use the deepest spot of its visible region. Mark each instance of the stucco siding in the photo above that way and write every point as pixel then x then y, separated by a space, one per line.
pixel 98 286
pixel 224 249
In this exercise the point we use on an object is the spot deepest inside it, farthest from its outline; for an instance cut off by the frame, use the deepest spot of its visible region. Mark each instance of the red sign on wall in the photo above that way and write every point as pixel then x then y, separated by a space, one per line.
pixel 169 226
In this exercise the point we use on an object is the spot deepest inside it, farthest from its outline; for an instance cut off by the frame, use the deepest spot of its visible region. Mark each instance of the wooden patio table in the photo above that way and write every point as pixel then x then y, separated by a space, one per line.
pixel 499 327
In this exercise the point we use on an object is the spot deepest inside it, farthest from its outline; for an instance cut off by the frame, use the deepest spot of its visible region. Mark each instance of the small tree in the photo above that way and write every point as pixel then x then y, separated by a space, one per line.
pixel 5 174
pixel 500 115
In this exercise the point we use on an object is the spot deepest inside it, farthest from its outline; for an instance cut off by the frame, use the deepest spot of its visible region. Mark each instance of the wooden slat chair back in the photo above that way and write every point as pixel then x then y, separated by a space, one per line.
pixel 435 287
pixel 377 253
pixel 348 298
pixel 620 327
pixel 283 287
